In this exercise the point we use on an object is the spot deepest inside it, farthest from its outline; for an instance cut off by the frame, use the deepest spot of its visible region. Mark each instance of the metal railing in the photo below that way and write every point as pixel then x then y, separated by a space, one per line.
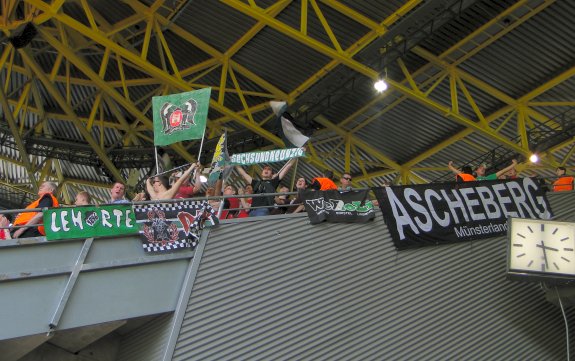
pixel 544 136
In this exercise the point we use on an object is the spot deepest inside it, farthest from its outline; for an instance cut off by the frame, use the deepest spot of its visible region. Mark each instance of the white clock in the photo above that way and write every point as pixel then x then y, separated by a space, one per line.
pixel 541 248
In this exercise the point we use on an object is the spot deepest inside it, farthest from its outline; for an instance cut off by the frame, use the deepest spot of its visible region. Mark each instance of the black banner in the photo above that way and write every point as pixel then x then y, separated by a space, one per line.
pixel 430 214
pixel 335 206
pixel 173 226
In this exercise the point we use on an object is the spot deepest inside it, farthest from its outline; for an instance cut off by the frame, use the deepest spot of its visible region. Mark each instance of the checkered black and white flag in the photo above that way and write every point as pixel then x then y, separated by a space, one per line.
pixel 167 227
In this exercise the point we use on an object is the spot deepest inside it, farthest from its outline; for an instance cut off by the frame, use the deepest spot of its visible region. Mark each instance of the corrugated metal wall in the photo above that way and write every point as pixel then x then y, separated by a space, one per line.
pixel 147 342
pixel 283 289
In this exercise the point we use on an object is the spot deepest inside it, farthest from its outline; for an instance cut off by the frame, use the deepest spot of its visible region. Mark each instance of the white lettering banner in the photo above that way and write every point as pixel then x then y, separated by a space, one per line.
pixel 431 214
pixel 270 156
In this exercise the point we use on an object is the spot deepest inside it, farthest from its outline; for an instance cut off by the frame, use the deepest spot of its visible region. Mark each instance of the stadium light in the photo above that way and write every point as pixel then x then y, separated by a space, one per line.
pixel 380 85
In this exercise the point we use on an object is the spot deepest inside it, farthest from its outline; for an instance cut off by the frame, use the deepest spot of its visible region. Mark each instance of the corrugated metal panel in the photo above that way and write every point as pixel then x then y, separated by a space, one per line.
pixel 147 342
pixel 280 288
pixel 542 43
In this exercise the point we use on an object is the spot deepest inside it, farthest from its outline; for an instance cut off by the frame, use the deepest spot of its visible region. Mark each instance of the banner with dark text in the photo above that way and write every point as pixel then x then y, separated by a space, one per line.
pixel 335 206
pixel 173 226
pixel 431 214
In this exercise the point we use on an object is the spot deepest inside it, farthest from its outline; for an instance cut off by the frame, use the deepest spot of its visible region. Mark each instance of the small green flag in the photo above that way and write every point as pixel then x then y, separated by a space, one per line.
pixel 219 160
pixel 180 117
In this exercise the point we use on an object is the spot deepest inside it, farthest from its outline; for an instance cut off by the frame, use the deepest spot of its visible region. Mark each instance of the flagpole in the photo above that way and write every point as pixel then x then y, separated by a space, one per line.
pixel 175 168
pixel 202 143
pixel 157 161
pixel 221 207
pixel 293 177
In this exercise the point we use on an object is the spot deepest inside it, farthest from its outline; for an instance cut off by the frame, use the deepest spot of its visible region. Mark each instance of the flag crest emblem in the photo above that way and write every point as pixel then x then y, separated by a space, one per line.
pixel 178 117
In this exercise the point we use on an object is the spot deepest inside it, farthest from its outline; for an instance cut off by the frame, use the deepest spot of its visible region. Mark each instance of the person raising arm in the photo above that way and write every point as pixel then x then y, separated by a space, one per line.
pixel 158 186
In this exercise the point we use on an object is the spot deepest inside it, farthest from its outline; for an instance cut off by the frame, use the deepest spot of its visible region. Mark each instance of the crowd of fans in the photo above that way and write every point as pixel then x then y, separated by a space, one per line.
pixel 178 186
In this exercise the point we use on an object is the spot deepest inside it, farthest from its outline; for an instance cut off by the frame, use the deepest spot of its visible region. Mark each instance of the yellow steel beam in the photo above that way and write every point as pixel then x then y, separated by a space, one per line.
pixel 326 26
pixel 166 50
pixel 303 17
pixel 125 23
pixel 442 109
pixel 88 13
pixel 472 102
pixel 375 174
pixel 158 73
pixel 347 163
pixel 147 36
pixel 272 11
pixel 551 104
pixel 377 30
pixel 521 128
pixel 68 109
pixel 241 95
pixel 223 80
pixel 101 84
pixel 491 91
pixel 360 162
pixel 362 19
pixel 16 134
pixel 485 41
pixel 358 142
pixel 407 75
pixel 343 57
pixel 453 92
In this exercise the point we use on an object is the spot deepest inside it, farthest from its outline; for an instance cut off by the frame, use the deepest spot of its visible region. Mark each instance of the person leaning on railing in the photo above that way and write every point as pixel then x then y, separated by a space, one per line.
pixel 29 224
pixel 564 182
pixel 245 202
pixel 5 220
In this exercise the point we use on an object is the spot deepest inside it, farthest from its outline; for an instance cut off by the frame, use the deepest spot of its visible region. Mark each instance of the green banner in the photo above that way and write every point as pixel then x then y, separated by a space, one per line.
pixel 180 117
pixel 270 156
pixel 89 221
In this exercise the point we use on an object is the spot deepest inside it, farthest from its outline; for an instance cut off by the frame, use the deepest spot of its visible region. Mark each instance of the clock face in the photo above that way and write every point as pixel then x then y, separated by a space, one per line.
pixel 542 246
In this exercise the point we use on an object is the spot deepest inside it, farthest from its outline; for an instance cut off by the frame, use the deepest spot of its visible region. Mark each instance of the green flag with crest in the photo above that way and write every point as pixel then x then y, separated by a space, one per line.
pixel 179 117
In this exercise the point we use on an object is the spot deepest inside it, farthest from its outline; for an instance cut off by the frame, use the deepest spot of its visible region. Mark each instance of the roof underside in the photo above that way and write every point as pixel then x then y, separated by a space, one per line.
pixel 465 78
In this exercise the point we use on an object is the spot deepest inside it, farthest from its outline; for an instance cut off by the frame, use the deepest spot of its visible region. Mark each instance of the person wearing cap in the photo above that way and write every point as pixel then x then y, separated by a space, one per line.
pixel 480 171
pixel 262 206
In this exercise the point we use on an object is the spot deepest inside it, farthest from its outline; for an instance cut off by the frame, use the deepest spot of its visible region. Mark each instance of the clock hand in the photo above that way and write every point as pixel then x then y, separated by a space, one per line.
pixel 549 248
pixel 544 254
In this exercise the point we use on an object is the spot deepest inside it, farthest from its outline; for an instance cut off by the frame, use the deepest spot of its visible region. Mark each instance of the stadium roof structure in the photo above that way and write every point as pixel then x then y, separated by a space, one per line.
pixel 469 81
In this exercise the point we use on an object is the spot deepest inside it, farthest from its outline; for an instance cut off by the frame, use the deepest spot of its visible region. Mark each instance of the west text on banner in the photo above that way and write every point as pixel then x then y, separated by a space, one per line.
pixel 220 160
pixel 167 227
pixel 89 221
pixel 335 206
pixel 270 156
pixel 436 213
pixel 179 117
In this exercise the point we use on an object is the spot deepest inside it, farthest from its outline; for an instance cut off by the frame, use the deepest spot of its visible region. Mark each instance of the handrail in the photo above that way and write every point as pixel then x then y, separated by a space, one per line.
pixel 547 180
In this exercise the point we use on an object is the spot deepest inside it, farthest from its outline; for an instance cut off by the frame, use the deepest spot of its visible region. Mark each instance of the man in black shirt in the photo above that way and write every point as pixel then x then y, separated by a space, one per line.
pixel 261 206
